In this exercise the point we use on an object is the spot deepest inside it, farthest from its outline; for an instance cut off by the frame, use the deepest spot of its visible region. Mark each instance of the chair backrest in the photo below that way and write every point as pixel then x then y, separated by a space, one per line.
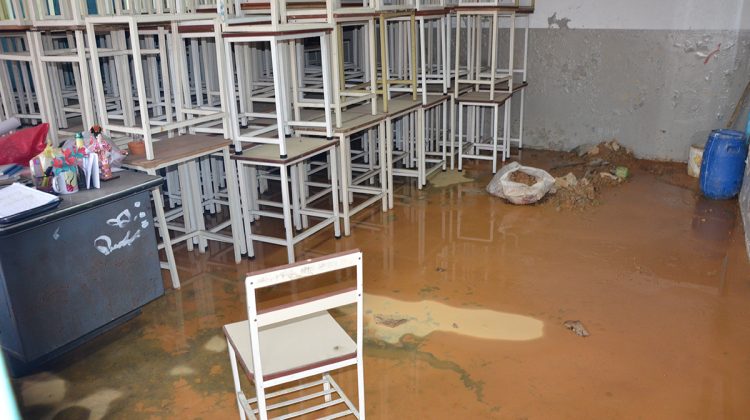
pixel 303 307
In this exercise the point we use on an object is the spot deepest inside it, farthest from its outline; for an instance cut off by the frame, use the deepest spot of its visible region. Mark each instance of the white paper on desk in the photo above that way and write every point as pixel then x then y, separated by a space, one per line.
pixel 90 165
pixel 18 198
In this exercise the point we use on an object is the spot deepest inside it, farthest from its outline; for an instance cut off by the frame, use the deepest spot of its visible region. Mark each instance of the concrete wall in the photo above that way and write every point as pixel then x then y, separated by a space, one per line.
pixel 658 76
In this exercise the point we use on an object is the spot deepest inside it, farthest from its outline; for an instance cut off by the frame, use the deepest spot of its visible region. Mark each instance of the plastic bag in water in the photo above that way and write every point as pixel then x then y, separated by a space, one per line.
pixel 518 193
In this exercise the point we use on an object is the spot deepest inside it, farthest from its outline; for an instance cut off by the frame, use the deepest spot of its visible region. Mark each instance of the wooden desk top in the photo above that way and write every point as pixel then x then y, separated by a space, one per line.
pixel 435 99
pixel 126 183
pixel 297 149
pixel 353 120
pixel 265 30
pixel 484 97
pixel 176 150
pixel 400 105
pixel 516 85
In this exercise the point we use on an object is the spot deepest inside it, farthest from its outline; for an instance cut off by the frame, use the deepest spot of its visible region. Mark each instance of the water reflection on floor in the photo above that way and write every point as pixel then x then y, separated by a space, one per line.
pixel 466 299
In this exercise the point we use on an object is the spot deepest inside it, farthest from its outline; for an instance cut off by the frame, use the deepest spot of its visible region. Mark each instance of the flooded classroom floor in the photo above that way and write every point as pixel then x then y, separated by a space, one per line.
pixel 466 301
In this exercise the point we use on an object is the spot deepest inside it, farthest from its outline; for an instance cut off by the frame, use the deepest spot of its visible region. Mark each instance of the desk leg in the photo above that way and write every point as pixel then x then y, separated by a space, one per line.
pixel 251 176
pixel 506 128
pixel 444 122
pixel 246 206
pixel 383 162
pixel 452 136
pixel 460 137
pixel 194 183
pixel 207 183
pixel 335 193
pixel 287 213
pixel 303 192
pixel 421 156
pixel 495 110
pixel 389 159
pixel 235 209
pixel 296 215
pixel 164 231
pixel 344 164
pixel 187 203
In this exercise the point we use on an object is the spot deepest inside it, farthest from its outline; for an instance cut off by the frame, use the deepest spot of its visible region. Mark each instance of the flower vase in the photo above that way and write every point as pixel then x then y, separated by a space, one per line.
pixel 65 182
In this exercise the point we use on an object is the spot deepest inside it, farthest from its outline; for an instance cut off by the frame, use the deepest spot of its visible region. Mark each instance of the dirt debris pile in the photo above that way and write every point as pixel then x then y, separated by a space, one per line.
pixel 522 178
pixel 585 171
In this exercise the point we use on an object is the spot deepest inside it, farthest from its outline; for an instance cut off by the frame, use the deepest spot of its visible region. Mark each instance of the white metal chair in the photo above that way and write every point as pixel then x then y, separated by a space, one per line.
pixel 291 342
pixel 490 79
pixel 520 86
pixel 64 79
pixel 19 80
pixel 278 113
pixel 14 13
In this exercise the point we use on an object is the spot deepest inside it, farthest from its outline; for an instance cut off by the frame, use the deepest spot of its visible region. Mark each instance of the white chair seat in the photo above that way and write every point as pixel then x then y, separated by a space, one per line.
pixel 293 346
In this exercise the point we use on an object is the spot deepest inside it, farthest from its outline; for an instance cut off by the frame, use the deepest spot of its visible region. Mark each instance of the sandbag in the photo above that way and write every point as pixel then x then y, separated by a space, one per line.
pixel 518 193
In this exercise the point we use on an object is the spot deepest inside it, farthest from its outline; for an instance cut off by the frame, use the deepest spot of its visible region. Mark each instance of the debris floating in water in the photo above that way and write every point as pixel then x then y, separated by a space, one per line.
pixel 577 327
pixel 389 322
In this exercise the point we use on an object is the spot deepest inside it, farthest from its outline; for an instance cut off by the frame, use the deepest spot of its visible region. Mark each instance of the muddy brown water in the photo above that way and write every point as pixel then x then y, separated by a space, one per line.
pixel 658 275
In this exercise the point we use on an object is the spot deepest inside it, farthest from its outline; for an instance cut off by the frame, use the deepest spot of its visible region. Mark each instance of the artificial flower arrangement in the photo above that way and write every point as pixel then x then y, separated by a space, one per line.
pixel 66 169
pixel 69 160
pixel 72 163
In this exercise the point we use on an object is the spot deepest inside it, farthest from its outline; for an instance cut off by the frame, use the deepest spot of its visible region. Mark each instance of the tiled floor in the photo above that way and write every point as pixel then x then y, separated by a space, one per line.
pixel 658 275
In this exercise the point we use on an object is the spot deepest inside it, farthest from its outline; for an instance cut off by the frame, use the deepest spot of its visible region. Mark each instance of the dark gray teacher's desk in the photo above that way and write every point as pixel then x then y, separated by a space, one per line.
pixel 73 272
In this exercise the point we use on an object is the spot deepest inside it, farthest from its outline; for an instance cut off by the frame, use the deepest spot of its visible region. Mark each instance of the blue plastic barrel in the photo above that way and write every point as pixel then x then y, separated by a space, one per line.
pixel 723 164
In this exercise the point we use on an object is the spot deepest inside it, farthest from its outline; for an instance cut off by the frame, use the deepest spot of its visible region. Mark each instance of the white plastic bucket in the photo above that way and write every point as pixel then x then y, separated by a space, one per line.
pixel 695 157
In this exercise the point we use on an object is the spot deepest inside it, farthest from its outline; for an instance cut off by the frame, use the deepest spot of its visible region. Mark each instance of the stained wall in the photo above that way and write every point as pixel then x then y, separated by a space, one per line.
pixel 658 76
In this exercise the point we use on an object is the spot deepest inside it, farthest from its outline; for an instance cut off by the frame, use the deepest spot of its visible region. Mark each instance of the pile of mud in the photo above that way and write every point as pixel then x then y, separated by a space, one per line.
pixel 585 171
pixel 522 178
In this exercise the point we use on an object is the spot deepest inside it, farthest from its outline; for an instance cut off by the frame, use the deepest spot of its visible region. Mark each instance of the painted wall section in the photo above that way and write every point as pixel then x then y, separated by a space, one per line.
pixel 643 14
pixel 656 75
pixel 656 91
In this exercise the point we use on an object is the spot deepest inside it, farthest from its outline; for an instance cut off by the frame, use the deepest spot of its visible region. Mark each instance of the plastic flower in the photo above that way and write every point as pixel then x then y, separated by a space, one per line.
pixel 96 129
pixel 67 159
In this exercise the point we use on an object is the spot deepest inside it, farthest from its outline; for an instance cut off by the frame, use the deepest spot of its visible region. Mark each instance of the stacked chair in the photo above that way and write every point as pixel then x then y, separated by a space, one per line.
pixel 20 66
pixel 272 121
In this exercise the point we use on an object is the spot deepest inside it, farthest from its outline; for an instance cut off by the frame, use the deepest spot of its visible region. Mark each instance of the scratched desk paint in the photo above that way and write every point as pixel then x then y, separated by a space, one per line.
pixel 71 273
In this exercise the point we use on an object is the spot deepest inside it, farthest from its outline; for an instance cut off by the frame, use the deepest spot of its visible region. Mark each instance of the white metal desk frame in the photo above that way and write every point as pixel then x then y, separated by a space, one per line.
pixel 20 15
pixel 476 78
pixel 437 14
pixel 288 201
pixel 526 18
pixel 192 209
pixel 201 33
pixel 77 57
pixel 476 132
pixel 284 125
pixel 350 185
pixel 410 117
pixel 27 84
pixel 185 118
